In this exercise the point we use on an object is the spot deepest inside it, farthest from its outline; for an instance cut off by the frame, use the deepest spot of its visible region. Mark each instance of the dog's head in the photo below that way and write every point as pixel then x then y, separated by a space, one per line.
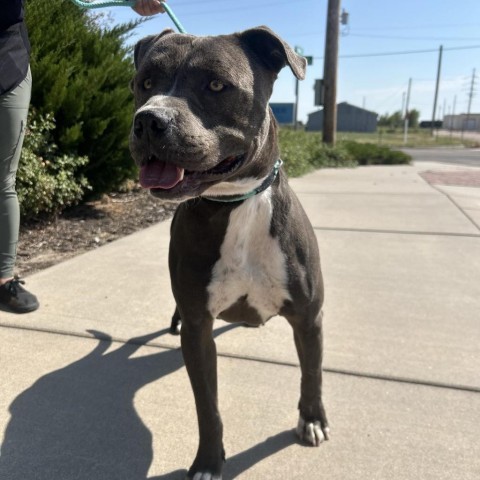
pixel 202 117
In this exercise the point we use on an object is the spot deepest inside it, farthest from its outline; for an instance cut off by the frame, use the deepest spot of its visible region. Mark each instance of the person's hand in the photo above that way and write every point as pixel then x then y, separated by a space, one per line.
pixel 148 7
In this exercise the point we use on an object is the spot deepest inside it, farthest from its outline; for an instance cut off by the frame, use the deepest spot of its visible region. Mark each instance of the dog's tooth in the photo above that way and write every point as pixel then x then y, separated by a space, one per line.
pixel 182 174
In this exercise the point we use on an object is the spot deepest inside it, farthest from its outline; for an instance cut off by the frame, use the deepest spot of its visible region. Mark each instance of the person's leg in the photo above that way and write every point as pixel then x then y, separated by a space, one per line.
pixel 13 119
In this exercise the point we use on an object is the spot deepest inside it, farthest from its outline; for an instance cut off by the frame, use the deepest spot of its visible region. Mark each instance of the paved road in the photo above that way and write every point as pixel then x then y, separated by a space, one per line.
pixel 454 156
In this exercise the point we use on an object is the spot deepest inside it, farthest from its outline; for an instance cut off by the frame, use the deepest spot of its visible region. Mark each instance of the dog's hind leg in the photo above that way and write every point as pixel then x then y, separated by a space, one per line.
pixel 200 355
pixel 312 424
pixel 176 323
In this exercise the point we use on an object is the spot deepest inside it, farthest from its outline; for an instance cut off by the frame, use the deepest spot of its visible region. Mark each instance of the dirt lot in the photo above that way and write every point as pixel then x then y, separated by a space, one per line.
pixel 44 243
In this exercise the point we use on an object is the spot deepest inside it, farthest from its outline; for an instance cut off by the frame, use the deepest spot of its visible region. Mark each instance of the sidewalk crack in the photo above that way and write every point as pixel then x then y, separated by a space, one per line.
pixel 467 216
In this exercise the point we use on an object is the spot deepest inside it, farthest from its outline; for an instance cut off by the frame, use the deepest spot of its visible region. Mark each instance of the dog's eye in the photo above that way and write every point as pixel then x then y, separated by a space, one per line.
pixel 216 86
pixel 147 84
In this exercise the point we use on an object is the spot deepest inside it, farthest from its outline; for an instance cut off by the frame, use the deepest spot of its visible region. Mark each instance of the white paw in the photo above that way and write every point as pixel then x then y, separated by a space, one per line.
pixel 175 327
pixel 205 476
pixel 312 432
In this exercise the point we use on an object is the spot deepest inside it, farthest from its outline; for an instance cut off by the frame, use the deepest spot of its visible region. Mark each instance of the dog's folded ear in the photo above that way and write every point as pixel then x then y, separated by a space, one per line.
pixel 143 45
pixel 273 51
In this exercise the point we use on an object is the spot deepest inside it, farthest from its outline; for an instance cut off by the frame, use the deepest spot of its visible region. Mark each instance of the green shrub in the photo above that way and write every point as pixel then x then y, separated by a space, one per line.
pixel 326 156
pixel 371 154
pixel 81 69
pixel 47 182
pixel 303 152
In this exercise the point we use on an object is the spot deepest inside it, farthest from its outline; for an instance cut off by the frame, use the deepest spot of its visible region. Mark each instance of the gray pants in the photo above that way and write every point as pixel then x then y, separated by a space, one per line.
pixel 13 121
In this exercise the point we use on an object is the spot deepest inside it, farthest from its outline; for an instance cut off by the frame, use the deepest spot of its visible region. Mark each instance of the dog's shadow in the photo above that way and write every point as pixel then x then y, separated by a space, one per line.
pixel 80 422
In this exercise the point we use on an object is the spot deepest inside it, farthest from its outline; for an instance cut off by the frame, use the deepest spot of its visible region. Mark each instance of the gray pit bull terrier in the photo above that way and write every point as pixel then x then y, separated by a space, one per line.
pixel 241 248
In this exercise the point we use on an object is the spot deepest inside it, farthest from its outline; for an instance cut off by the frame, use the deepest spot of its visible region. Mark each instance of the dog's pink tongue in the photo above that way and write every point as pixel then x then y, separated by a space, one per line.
pixel 159 174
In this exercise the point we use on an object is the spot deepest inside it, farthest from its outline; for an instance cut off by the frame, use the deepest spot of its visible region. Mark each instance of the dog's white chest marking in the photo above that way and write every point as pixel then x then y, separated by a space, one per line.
pixel 251 262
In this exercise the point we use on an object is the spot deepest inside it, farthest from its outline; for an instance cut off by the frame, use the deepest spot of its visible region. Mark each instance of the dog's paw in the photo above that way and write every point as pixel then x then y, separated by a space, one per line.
pixel 204 476
pixel 312 432
pixel 175 327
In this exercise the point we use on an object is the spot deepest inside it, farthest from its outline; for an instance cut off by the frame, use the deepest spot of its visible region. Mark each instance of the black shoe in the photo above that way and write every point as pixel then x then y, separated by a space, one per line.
pixel 15 297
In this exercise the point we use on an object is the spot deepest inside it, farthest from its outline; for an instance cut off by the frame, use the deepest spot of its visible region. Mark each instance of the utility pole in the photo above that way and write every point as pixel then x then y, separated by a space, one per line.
pixel 439 67
pixel 443 114
pixel 295 115
pixel 453 115
pixel 471 93
pixel 330 72
pixel 309 59
pixel 405 126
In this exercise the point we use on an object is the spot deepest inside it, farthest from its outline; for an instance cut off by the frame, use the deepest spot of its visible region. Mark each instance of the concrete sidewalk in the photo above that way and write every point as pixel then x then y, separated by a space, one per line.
pixel 401 261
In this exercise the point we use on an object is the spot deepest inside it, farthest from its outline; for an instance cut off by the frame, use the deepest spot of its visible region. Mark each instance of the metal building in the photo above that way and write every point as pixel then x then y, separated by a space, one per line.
pixel 349 119
pixel 462 121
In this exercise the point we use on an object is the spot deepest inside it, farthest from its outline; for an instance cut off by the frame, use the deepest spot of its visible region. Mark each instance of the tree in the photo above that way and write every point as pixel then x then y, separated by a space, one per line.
pixel 81 70
pixel 413 117
pixel 395 120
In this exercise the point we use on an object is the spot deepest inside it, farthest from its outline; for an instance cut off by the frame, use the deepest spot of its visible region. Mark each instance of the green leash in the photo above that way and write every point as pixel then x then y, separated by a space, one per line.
pixel 128 3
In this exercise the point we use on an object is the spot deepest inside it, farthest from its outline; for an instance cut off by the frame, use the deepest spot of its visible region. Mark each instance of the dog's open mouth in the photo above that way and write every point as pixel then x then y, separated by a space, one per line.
pixel 157 174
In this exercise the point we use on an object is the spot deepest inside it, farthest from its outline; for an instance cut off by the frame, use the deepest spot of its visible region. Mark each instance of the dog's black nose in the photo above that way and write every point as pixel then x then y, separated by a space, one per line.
pixel 151 121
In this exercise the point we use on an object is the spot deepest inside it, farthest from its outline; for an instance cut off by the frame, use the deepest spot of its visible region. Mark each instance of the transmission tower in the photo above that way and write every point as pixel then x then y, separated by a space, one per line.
pixel 470 95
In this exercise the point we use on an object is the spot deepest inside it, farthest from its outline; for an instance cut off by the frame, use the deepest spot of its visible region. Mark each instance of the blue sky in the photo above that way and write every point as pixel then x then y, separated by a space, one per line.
pixel 375 27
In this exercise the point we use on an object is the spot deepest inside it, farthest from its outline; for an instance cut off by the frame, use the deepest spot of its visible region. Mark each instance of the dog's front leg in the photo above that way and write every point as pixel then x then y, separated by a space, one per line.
pixel 312 424
pixel 200 355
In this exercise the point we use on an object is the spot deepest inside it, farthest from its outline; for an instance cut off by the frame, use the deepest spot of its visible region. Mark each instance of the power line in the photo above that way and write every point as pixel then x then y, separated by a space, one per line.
pixel 404 52
pixel 440 39
pixel 418 27
pixel 388 98
pixel 393 37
